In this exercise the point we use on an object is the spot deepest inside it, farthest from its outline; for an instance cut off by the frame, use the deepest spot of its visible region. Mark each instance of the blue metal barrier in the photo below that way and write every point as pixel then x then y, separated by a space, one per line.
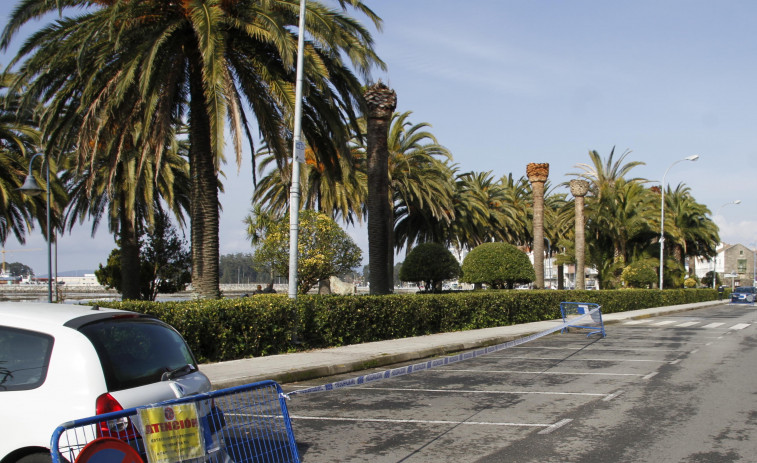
pixel 242 424
pixel 583 315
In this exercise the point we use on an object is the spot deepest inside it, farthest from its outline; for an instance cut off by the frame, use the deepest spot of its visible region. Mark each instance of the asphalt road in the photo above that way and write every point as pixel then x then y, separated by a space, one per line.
pixel 676 388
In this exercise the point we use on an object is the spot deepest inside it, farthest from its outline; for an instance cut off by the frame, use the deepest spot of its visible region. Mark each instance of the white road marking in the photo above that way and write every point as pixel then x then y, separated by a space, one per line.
pixel 650 376
pixel 555 426
pixel 637 322
pixel 536 372
pixel 713 325
pixel 664 322
pixel 612 396
pixel 562 359
pixel 450 422
pixel 740 326
pixel 684 325
pixel 463 391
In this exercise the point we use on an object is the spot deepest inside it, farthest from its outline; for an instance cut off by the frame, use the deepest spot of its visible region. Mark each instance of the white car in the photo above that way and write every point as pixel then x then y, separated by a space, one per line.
pixel 61 362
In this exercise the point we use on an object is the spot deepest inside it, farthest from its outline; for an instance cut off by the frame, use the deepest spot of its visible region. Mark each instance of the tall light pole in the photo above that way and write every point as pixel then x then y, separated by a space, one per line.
pixel 693 157
pixel 298 154
pixel 715 260
pixel 32 188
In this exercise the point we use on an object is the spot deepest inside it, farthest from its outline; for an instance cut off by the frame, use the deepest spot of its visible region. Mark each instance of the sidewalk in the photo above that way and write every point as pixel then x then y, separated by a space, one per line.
pixel 302 366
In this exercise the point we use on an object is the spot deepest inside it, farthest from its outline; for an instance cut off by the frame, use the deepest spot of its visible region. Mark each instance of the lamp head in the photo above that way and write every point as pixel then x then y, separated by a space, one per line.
pixel 738 201
pixel 30 186
pixel 693 157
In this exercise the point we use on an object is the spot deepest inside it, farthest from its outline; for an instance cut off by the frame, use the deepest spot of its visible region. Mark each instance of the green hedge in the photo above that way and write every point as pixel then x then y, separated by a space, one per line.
pixel 227 329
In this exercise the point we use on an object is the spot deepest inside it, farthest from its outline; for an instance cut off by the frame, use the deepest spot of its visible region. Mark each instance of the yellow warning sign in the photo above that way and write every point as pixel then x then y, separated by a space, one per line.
pixel 172 433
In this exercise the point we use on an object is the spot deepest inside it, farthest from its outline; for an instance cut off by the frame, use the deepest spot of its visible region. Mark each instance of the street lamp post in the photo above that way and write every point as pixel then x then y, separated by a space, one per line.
pixel 32 188
pixel 693 157
pixel 715 259
pixel 298 153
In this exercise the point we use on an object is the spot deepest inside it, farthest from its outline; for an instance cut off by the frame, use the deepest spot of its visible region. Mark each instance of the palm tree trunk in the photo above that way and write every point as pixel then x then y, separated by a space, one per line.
pixel 381 102
pixel 130 268
pixel 579 188
pixel 537 175
pixel 204 196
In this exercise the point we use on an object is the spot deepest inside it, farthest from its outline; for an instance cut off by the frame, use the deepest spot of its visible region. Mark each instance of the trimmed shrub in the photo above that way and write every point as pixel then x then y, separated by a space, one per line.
pixel 431 264
pixel 229 329
pixel 497 265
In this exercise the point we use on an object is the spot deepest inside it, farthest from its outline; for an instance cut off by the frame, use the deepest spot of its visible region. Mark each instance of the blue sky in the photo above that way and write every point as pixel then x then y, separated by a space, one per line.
pixel 504 83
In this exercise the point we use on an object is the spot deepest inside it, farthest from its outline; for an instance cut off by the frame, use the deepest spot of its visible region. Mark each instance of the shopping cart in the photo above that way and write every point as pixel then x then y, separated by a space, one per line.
pixel 248 423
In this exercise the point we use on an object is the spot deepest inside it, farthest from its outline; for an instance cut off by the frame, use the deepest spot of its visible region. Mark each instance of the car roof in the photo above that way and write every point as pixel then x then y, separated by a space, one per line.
pixel 46 315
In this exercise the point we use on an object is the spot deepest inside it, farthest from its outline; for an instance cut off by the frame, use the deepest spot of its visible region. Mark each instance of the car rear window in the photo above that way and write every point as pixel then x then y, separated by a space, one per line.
pixel 136 351
pixel 24 358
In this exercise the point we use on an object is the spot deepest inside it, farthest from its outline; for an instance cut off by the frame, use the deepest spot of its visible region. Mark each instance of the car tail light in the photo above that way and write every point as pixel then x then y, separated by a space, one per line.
pixel 120 428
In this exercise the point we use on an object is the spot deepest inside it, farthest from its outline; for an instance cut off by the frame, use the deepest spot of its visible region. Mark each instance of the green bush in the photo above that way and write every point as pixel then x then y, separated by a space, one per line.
pixel 228 329
pixel 431 264
pixel 498 265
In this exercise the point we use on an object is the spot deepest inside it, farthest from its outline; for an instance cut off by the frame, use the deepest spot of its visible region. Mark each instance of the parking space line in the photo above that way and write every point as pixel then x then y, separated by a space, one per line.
pixel 612 396
pixel 450 422
pixel 562 359
pixel 651 375
pixel 606 348
pixel 469 391
pixel 536 372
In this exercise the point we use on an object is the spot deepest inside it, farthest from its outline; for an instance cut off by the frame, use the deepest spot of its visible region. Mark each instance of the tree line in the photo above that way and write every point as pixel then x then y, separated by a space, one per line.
pixel 132 102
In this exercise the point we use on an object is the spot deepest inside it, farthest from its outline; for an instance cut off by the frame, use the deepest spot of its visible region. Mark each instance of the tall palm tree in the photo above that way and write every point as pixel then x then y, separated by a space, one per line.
pixel 690 231
pixel 381 102
pixel 203 62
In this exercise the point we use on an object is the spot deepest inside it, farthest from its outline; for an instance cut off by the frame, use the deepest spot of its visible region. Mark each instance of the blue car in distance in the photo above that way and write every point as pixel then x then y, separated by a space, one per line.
pixel 743 295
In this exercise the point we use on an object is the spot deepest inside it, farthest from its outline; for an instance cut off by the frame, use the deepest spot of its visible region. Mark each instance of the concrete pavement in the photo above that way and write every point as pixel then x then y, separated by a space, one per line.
pixel 318 363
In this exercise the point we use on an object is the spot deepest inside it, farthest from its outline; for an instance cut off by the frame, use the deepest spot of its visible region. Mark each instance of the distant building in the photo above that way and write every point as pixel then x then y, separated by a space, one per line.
pixel 734 264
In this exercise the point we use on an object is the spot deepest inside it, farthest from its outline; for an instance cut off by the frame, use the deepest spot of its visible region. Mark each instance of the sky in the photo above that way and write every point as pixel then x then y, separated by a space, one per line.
pixel 504 83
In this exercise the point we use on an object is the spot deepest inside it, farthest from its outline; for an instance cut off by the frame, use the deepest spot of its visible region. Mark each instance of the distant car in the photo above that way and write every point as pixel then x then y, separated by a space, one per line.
pixel 744 295
pixel 60 362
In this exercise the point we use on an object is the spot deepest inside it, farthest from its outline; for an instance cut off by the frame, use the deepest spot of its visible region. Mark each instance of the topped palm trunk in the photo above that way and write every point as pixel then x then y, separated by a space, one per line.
pixel 381 102
pixel 537 175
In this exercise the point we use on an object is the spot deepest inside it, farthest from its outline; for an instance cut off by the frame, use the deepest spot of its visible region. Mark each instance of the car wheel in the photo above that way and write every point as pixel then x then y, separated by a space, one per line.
pixel 36 458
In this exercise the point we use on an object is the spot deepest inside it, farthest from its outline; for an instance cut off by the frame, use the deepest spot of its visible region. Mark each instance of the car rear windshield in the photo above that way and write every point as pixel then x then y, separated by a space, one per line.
pixel 136 351
pixel 24 358
pixel 745 289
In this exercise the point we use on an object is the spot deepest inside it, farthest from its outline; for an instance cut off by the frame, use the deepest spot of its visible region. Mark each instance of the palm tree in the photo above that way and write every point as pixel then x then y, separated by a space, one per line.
pixel 690 231
pixel 202 62
pixel 381 102
pixel 338 193
pixel 129 198
pixel 18 138
pixel 418 176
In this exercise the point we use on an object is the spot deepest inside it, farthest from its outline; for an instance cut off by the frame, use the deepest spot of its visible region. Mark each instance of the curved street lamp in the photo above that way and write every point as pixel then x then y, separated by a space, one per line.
pixel 715 259
pixel 693 157
pixel 32 188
